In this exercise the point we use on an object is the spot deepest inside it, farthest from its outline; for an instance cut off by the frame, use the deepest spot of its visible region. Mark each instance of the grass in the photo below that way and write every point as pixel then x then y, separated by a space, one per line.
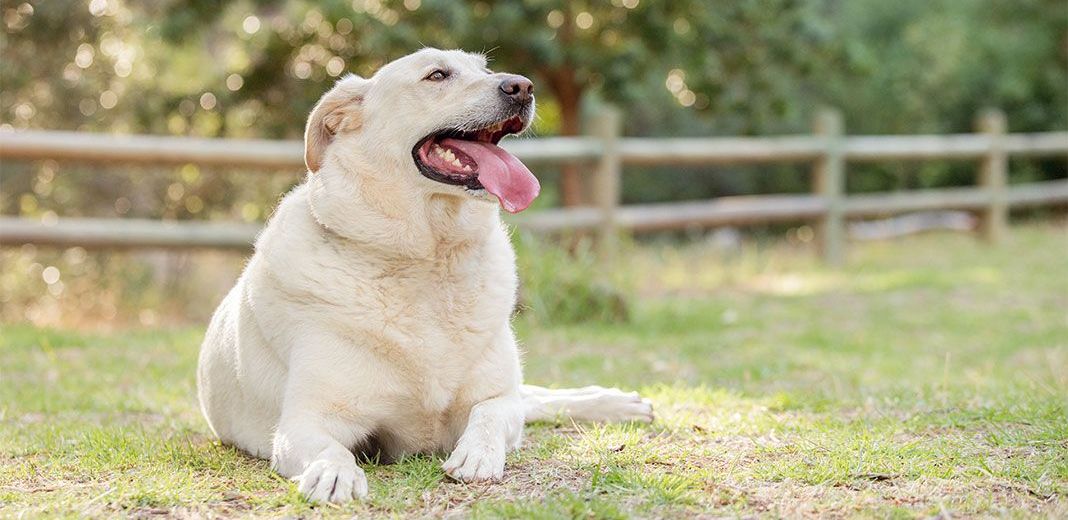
pixel 929 377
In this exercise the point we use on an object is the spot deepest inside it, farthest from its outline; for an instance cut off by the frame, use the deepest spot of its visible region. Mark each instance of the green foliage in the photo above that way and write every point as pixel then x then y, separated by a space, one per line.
pixel 158 60
pixel 254 68
pixel 558 286
pixel 921 66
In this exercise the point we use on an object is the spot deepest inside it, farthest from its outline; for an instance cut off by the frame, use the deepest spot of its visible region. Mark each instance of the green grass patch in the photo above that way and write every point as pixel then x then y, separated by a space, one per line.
pixel 928 377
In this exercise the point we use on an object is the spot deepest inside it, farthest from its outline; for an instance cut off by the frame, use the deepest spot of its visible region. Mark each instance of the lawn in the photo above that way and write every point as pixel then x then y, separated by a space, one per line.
pixel 929 376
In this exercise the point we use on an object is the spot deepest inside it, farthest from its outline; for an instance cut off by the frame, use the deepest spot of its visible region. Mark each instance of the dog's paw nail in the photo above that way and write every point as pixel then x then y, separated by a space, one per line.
pixel 485 463
pixel 332 481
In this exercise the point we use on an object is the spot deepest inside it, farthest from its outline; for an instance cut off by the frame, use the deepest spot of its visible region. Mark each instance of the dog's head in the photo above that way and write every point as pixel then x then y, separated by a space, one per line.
pixel 430 121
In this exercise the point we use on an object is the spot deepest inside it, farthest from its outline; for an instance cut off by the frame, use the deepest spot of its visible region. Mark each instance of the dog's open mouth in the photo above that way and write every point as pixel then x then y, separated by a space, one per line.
pixel 473 160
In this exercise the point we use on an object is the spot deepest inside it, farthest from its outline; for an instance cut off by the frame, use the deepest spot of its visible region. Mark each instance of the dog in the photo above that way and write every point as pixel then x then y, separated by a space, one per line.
pixel 374 315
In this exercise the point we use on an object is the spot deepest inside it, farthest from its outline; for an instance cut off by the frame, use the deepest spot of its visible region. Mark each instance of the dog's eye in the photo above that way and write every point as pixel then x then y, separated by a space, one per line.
pixel 437 75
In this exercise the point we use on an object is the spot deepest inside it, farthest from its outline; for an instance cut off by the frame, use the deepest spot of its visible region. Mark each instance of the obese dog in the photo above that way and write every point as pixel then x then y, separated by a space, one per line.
pixel 375 312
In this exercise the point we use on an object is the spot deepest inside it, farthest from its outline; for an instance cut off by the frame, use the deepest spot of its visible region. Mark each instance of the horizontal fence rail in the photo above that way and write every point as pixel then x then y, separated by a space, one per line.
pixel 289 154
pixel 252 153
pixel 827 149
pixel 128 233
pixel 133 233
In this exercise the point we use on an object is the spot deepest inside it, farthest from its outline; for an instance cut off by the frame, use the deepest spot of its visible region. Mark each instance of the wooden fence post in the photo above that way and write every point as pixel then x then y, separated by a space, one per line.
pixel 828 181
pixel 606 125
pixel 993 176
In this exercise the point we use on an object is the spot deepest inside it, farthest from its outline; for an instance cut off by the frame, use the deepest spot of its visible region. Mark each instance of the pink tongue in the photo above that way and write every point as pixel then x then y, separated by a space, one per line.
pixel 500 173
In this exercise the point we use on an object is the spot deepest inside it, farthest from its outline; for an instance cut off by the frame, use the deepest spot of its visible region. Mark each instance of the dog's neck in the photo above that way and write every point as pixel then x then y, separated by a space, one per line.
pixel 354 204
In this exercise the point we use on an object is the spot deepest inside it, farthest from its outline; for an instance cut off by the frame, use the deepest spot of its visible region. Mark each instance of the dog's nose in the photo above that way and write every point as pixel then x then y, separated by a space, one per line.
pixel 517 87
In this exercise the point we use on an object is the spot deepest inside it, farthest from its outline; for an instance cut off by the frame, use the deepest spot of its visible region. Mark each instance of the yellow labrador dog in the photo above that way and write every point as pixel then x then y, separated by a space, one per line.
pixel 374 314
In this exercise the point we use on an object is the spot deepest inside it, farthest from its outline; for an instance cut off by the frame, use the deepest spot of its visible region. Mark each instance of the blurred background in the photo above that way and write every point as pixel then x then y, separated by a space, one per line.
pixel 253 69
pixel 826 238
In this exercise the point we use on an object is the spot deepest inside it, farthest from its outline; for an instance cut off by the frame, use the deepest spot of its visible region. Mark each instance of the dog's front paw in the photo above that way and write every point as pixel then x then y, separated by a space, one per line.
pixel 331 481
pixel 476 460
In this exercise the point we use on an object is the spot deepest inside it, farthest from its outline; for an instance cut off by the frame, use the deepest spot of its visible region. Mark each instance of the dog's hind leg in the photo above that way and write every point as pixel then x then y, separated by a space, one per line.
pixel 590 403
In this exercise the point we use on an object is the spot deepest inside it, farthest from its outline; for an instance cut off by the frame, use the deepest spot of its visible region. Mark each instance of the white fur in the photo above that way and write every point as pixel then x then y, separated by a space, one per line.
pixel 376 306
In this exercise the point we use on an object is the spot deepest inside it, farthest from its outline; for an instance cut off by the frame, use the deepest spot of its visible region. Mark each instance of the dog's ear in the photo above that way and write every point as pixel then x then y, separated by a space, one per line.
pixel 339 109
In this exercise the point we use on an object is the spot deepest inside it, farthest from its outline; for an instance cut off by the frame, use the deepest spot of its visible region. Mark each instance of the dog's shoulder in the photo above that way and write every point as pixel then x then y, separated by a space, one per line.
pixel 290 225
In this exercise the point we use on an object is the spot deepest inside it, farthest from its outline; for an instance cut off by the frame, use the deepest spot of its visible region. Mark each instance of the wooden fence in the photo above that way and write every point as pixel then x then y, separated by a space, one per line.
pixel 827 149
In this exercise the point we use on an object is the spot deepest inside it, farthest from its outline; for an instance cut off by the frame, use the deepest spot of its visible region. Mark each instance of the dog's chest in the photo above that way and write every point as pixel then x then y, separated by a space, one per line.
pixel 429 320
pixel 455 303
pixel 443 322
pixel 418 329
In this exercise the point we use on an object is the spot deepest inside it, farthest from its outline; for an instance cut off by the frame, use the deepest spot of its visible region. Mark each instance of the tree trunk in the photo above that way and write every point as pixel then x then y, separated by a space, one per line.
pixel 569 95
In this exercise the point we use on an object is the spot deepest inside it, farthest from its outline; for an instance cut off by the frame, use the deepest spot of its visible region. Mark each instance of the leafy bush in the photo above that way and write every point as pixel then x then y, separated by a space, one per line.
pixel 561 286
